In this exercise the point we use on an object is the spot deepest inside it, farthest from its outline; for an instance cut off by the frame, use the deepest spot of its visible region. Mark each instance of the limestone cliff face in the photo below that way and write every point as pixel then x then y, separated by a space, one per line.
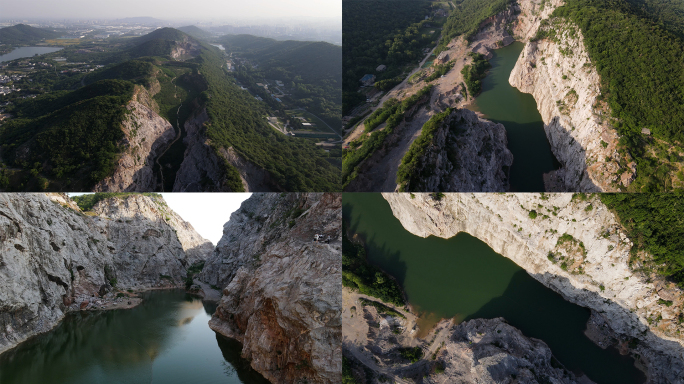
pixel 594 271
pixel 564 82
pixel 466 154
pixel 203 170
pixel 281 290
pixel 146 135
pixel 54 258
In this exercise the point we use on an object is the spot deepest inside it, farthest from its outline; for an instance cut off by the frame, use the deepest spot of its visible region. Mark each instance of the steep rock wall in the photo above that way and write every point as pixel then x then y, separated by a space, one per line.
pixel 203 170
pixel 281 290
pixel 557 71
pixel 146 135
pixel 598 278
pixel 466 154
pixel 53 258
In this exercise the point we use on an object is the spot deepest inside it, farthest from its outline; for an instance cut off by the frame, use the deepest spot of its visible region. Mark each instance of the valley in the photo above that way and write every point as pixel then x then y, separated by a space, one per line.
pixel 162 138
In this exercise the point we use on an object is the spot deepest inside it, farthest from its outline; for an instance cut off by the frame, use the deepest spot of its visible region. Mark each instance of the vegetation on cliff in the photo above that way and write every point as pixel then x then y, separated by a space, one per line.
pixel 654 222
pixel 408 173
pixel 87 201
pixel 365 278
pixel 638 50
pixel 467 17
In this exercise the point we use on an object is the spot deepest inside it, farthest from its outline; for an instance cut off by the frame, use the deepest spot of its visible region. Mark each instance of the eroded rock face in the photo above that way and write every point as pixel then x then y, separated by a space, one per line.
pixel 565 85
pixel 203 170
pixel 466 154
pixel 53 258
pixel 597 274
pixel 146 136
pixel 281 290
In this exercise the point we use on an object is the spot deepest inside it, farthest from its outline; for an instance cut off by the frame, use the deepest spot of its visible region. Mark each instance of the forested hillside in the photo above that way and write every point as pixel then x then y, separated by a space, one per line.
pixel 25 34
pixel 311 70
pixel 467 16
pixel 237 120
pixel 640 58
pixel 381 32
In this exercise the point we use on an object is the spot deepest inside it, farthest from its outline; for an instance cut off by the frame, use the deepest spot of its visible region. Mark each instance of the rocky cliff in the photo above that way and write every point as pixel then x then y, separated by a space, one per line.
pixel 146 135
pixel 557 71
pixel 466 154
pixel 203 170
pixel 573 246
pixel 281 290
pixel 55 259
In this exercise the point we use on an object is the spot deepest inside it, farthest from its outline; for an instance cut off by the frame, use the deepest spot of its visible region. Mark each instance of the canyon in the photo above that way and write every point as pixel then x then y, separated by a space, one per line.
pixel 637 312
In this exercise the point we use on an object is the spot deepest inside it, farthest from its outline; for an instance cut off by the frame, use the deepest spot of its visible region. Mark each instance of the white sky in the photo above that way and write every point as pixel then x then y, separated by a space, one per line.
pixel 169 9
pixel 207 212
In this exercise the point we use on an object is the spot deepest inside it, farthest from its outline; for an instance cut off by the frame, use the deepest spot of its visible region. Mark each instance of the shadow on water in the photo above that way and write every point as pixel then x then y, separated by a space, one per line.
pixel 166 339
pixel 502 103
pixel 463 277
pixel 236 365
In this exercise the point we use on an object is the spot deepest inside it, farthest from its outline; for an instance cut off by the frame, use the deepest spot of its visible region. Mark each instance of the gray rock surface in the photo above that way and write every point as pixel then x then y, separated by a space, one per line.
pixel 53 257
pixel 281 290
pixel 466 154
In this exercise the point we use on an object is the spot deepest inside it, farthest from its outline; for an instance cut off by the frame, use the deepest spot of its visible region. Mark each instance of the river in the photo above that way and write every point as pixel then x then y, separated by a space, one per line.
pixel 502 103
pixel 20 52
pixel 462 277
pixel 165 339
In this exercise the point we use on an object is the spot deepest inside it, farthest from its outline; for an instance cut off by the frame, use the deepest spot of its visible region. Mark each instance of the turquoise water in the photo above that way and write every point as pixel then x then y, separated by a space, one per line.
pixel 462 277
pixel 517 111
pixel 165 339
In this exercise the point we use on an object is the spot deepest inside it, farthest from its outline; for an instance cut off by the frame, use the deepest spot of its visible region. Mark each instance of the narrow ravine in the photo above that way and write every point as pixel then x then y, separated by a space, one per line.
pixel 502 103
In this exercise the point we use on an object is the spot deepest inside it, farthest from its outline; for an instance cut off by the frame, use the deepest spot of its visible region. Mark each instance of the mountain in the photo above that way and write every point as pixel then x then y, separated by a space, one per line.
pixel 25 34
pixel 195 32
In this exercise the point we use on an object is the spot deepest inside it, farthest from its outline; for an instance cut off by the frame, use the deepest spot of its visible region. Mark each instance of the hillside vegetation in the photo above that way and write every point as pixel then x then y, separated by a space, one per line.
pixel 641 63
pixel 311 71
pixel 466 18
pixel 25 34
pixel 655 224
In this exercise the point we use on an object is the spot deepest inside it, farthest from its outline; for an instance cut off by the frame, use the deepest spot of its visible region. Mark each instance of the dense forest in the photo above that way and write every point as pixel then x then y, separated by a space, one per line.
pixel 655 224
pixel 311 71
pixel 361 276
pixel 25 34
pixel 69 136
pixel 641 63
pixel 237 120
pixel 376 32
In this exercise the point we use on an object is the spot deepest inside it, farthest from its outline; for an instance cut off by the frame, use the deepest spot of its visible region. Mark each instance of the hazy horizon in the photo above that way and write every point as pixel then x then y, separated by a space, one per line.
pixel 173 10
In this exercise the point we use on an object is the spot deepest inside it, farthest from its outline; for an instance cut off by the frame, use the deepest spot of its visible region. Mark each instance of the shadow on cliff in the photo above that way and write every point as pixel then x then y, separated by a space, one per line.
pixel 541 313
pixel 231 350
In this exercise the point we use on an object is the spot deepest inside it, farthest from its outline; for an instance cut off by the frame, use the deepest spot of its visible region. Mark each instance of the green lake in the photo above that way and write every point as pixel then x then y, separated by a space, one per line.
pixel 463 278
pixel 517 111
pixel 166 339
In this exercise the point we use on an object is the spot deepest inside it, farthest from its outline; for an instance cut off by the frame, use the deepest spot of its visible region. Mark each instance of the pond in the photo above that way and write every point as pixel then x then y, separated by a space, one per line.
pixel 166 339
pixel 20 52
pixel 462 277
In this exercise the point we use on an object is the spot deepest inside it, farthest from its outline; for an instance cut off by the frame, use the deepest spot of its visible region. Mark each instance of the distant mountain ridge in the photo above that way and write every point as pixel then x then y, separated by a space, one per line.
pixel 25 34
pixel 195 32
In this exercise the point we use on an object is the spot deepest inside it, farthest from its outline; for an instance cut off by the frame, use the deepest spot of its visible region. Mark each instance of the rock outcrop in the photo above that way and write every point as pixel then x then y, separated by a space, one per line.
pixel 203 170
pixel 146 136
pixel 466 154
pixel 565 84
pixel 595 271
pixel 281 290
pixel 55 259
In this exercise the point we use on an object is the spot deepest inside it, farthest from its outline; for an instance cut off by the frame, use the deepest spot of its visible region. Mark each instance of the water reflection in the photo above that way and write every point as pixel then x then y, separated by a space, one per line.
pixel 463 277
pixel 164 340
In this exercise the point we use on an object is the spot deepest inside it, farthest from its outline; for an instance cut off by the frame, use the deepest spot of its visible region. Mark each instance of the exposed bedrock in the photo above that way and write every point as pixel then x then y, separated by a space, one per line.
pixel 466 154
pixel 282 290
pixel 53 258
pixel 596 275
